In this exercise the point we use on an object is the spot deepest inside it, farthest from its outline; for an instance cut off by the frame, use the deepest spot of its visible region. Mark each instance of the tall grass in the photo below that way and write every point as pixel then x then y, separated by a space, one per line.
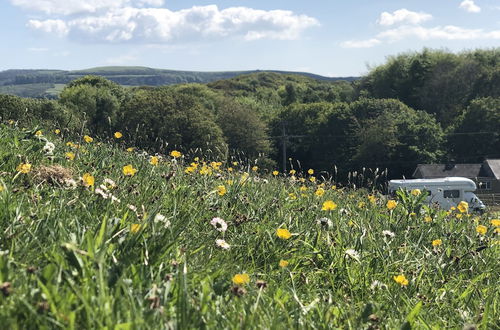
pixel 71 258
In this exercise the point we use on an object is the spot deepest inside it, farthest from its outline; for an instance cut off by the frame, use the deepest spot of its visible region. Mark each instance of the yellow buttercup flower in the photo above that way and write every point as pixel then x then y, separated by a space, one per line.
pixel 255 168
pixel 154 161
pixel 310 171
pixel 57 131
pixel 428 218
pixel 372 199
pixel 88 139
pixel 292 196
pixel 129 170
pixel 283 263
pixel 130 149
pixel 276 173
pixel 24 168
pixel 437 242
pixel 481 229
pixel 463 207
pixel 391 204
pixel 329 206
pixel 221 190
pixel 175 154
pixel 135 227
pixel 319 192
pixel 241 279
pixel 88 179
pixel 416 192
pixel 70 155
pixel 283 233
pixel 401 280
pixel 495 222
pixel 292 172
pixel 312 179
pixel 38 133
pixel 118 135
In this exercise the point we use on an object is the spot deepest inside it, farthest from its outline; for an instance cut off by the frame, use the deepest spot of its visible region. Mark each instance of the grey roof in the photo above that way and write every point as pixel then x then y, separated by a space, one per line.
pixel 494 167
pixel 444 170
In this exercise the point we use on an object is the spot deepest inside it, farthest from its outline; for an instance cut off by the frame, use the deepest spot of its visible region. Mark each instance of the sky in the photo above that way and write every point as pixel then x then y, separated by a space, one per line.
pixel 328 37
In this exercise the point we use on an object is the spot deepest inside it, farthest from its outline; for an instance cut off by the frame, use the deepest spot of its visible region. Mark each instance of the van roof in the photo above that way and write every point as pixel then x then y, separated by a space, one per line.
pixel 449 181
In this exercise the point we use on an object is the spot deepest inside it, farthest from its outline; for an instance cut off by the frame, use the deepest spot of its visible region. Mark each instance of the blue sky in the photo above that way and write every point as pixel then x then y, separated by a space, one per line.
pixel 328 37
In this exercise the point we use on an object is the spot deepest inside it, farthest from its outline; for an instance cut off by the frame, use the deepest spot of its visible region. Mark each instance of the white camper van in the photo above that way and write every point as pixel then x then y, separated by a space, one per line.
pixel 446 192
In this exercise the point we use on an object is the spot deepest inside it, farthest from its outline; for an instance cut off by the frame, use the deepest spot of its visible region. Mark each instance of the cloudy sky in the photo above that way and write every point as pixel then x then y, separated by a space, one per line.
pixel 328 37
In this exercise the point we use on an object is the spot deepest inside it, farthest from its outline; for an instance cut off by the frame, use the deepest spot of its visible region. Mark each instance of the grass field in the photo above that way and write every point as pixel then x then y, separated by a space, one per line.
pixel 95 236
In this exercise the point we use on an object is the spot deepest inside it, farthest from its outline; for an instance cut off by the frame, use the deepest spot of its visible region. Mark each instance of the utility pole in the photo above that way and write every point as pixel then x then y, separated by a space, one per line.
pixel 284 139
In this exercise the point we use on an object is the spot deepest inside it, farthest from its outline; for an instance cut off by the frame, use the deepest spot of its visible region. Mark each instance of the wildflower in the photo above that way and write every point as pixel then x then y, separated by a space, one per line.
pixel 132 208
pixel 334 187
pixel 329 206
pixel 154 161
pixel 495 222
pixel 222 244
pixel 189 169
pixel 244 177
pixel 219 224
pixel 11 122
pixel 57 131
pixel 110 184
pixel 175 154
pixel 283 263
pixel 101 192
pixel 129 170
pixel 48 148
pixel 276 173
pixel 88 139
pixel 130 149
pixel 458 216
pixel 118 135
pixel 463 207
pixel 388 233
pixel 88 180
pixel 135 227
pixel 221 190
pixel 401 279
pixel 38 133
pixel 319 192
pixel 437 242
pixel 361 205
pixel 310 171
pixel 292 172
pixel 428 218
pixel 159 218
pixel 255 168
pixel 230 182
pixel 292 196
pixel 377 284
pixel 303 188
pixel 325 222
pixel 391 204
pixel 283 233
pixel 372 199
pixel 481 229
pixel 234 163
pixel 229 169
pixel 70 183
pixel 416 192
pixel 312 179
pixel 24 168
pixel 352 253
pixel 69 156
pixel 241 279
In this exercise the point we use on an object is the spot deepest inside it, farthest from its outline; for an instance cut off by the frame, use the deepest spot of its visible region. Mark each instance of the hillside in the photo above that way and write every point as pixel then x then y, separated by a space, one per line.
pixel 33 83
pixel 97 235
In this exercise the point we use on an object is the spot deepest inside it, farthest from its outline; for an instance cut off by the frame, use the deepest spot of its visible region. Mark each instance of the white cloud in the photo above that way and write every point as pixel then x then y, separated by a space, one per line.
pixel 360 44
pixel 158 25
pixel 69 7
pixel 120 60
pixel 50 26
pixel 403 16
pixel 470 6
pixel 448 32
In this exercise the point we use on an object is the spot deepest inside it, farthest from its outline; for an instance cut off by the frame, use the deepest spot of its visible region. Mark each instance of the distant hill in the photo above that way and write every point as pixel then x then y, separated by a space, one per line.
pixel 48 83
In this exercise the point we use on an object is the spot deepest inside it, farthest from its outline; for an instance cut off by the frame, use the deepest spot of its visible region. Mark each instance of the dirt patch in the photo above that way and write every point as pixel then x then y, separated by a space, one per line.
pixel 52 174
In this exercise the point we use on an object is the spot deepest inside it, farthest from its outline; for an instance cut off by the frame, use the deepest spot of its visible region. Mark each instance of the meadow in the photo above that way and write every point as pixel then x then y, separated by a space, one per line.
pixel 98 234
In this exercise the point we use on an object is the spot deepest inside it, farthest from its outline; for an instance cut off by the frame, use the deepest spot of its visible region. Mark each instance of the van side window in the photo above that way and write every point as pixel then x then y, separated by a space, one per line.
pixel 451 193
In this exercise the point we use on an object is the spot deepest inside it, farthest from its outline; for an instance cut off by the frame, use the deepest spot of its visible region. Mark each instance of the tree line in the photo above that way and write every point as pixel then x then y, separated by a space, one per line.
pixel 419 107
